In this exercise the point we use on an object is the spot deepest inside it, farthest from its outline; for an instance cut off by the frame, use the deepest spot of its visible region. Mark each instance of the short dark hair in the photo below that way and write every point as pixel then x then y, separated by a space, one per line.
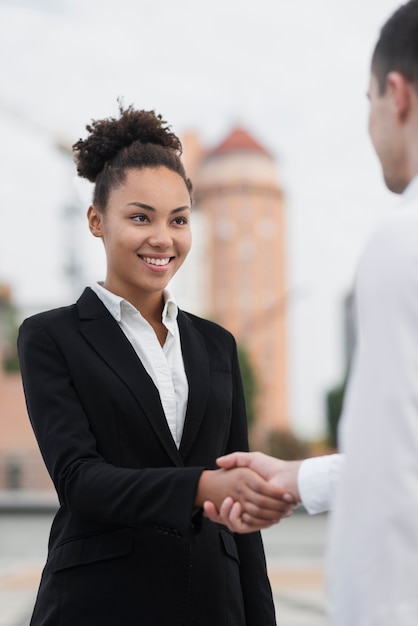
pixel 135 140
pixel 397 47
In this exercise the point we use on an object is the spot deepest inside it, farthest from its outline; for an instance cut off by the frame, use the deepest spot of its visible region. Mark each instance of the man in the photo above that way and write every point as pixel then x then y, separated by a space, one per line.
pixel 372 560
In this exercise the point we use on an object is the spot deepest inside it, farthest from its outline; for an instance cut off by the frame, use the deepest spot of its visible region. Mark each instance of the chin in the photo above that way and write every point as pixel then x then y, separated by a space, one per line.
pixel 395 184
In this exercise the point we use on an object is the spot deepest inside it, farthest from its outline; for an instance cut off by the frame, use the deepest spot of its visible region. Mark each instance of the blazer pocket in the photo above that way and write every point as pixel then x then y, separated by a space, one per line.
pixel 91 549
pixel 229 544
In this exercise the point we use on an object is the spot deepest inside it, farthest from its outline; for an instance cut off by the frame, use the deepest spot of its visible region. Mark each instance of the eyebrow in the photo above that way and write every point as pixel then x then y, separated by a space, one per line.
pixel 147 207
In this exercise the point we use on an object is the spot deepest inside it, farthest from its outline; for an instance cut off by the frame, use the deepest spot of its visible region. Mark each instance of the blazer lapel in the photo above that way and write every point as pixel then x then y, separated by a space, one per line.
pixel 196 364
pixel 104 334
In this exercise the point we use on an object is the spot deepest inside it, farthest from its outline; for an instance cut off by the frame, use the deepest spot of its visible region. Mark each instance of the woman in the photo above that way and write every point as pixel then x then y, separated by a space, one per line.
pixel 131 401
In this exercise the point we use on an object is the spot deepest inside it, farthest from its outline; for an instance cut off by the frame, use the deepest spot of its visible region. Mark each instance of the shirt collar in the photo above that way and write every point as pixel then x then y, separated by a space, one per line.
pixel 114 304
pixel 170 310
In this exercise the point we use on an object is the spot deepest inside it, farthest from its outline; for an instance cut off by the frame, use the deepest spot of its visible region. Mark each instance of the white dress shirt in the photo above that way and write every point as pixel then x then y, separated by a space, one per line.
pixel 318 480
pixel 164 364
pixel 372 560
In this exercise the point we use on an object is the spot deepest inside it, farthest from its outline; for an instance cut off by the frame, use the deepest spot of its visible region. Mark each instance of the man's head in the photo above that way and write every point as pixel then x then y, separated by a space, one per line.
pixel 397 47
pixel 393 93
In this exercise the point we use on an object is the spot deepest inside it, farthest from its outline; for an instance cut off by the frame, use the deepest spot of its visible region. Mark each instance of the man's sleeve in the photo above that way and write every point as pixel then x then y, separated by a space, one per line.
pixel 317 481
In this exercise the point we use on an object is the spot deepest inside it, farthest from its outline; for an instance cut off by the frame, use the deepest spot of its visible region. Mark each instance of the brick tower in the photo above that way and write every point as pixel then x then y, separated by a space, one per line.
pixel 238 195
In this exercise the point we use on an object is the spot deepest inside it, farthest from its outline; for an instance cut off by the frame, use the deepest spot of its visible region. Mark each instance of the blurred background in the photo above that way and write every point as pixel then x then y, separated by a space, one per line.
pixel 269 99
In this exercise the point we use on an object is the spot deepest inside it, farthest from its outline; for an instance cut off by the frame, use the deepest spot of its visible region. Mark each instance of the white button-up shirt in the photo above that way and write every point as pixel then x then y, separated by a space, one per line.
pixel 163 363
pixel 318 479
pixel 372 560
pixel 372 573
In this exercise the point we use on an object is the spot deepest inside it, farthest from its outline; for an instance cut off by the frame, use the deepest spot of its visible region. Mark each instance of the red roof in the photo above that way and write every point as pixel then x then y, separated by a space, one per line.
pixel 238 140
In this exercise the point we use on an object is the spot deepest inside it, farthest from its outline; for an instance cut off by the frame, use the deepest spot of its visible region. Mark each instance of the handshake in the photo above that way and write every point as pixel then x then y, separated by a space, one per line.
pixel 250 492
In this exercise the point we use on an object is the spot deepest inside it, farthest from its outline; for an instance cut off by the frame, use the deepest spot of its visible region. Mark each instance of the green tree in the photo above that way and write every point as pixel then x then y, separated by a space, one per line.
pixel 334 404
pixel 249 382
pixel 8 335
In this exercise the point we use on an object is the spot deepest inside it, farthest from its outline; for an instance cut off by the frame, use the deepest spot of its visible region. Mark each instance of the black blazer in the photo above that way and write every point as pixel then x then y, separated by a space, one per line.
pixel 127 547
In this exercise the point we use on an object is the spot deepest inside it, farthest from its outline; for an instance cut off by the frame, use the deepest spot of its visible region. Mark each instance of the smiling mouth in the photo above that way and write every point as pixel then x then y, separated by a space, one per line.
pixel 154 261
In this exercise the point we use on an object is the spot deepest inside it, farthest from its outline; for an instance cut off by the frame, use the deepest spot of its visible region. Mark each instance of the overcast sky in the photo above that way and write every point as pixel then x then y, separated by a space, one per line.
pixel 293 72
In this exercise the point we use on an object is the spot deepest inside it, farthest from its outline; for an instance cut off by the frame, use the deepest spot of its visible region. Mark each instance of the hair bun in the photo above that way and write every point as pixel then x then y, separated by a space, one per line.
pixel 107 137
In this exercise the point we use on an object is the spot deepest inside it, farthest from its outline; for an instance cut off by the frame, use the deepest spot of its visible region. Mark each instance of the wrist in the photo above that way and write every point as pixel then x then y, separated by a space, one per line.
pixel 203 491
pixel 293 479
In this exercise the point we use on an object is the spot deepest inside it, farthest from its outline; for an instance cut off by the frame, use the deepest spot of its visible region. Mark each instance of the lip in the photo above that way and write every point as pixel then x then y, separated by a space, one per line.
pixel 154 267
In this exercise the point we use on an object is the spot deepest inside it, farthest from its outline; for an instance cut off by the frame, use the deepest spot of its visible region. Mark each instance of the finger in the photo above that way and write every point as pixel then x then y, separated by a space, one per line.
pixel 239 523
pixel 236 523
pixel 267 510
pixel 289 511
pixel 235 459
pixel 265 488
pixel 236 512
pixel 226 507
pixel 230 516
pixel 210 511
pixel 265 500
pixel 250 523
pixel 263 515
pixel 288 497
pixel 285 510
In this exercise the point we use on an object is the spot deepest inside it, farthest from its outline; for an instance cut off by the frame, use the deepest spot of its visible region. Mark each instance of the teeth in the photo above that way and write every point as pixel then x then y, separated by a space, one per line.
pixel 153 261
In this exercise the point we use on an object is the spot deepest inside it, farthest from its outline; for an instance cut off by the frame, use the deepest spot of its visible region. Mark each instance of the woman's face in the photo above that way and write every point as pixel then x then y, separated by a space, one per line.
pixel 145 230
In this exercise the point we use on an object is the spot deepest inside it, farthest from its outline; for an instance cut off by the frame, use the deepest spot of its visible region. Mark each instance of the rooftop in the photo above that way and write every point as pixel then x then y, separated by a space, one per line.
pixel 238 140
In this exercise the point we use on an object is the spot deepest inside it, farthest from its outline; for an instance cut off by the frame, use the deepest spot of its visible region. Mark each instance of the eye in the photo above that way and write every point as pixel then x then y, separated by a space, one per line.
pixel 180 221
pixel 140 218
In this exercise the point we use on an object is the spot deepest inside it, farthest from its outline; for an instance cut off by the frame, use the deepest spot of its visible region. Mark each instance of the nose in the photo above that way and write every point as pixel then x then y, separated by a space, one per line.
pixel 160 237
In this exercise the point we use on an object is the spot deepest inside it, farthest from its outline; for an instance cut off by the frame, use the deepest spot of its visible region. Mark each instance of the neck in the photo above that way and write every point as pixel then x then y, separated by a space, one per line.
pixel 151 308
pixel 152 312
pixel 149 304
pixel 411 139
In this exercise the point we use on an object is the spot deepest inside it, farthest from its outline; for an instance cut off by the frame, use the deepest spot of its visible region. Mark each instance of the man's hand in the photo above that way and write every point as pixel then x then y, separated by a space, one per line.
pixel 282 474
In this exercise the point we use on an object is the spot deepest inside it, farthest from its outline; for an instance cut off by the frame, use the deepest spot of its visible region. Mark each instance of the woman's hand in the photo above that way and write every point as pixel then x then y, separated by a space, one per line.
pixel 242 499
pixel 244 519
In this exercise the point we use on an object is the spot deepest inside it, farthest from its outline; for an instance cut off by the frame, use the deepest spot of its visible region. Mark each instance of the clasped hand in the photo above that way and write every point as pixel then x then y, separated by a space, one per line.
pixel 250 492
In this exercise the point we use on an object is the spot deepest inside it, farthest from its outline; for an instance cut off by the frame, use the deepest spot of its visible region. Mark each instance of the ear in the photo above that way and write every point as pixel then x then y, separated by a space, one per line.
pixel 95 219
pixel 399 88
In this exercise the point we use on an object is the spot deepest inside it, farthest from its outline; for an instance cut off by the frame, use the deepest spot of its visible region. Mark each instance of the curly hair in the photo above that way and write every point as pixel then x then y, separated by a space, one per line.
pixel 135 140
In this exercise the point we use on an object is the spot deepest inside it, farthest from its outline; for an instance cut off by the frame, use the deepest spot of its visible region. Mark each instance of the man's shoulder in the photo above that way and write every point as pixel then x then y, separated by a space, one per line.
pixel 389 263
pixel 397 235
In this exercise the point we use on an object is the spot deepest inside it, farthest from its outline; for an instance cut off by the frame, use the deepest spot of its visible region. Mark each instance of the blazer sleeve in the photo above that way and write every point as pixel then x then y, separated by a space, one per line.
pixel 259 605
pixel 86 484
